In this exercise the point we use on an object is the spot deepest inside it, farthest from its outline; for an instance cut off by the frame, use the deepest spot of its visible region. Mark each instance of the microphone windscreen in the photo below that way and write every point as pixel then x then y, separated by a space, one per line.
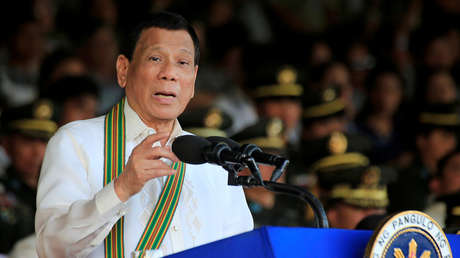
pixel 218 139
pixel 189 148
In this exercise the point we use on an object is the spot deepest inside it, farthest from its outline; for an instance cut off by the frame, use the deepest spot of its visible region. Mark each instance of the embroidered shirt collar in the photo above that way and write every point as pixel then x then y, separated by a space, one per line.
pixel 136 128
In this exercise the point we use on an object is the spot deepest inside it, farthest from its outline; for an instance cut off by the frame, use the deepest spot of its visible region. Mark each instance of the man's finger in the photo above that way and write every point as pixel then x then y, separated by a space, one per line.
pixel 161 152
pixel 155 172
pixel 151 139
pixel 155 164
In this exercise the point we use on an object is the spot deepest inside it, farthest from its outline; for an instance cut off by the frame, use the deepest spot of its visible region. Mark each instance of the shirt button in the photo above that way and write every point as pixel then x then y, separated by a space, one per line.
pixel 175 228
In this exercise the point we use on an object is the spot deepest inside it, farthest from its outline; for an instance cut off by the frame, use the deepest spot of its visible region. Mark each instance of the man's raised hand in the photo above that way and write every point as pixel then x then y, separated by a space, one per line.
pixel 143 165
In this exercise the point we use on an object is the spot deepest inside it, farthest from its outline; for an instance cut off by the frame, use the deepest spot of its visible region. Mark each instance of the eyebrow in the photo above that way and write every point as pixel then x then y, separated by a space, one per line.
pixel 185 50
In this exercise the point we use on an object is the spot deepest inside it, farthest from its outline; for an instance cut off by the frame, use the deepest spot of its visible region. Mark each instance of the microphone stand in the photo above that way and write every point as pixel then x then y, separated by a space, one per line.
pixel 296 191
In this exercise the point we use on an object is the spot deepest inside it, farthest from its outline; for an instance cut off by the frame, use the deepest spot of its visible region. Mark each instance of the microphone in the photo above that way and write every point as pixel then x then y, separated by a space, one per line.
pixel 231 143
pixel 197 150
pixel 255 152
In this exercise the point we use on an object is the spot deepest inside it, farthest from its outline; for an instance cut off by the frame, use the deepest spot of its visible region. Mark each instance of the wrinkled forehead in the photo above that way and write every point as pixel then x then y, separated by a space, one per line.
pixel 155 38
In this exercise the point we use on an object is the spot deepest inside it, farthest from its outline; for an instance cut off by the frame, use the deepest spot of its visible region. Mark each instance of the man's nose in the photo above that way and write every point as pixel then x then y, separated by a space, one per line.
pixel 168 72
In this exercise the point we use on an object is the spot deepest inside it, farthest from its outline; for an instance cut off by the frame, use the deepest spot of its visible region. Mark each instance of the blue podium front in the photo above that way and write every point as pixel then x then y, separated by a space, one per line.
pixel 293 242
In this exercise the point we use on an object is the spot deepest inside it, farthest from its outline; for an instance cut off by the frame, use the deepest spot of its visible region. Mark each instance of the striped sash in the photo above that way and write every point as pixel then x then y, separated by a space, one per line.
pixel 114 155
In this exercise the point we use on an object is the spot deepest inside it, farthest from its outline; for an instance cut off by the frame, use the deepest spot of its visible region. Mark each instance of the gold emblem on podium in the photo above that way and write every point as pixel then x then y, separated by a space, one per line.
pixel 411 234
pixel 398 253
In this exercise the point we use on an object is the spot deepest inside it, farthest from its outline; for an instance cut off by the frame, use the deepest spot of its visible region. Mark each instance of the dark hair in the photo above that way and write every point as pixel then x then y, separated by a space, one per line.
pixel 163 20
pixel 50 63
pixel 70 87
pixel 443 161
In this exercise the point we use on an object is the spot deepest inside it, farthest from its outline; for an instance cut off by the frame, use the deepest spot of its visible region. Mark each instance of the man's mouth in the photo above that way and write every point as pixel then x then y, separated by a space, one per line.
pixel 166 94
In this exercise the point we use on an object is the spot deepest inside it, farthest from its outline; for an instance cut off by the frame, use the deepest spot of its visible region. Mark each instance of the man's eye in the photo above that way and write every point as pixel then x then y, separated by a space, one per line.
pixel 184 62
pixel 154 58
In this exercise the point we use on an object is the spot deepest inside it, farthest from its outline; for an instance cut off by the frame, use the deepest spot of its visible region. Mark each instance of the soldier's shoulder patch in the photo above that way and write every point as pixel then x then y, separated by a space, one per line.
pixel 409 234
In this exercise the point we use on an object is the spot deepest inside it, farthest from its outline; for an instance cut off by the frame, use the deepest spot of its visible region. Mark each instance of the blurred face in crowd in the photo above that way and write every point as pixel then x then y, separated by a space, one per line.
pixel 28 43
pixel 324 127
pixel 436 144
pixel 105 10
pixel 449 182
pixel 438 54
pixel 441 88
pixel 338 74
pixel 386 95
pixel 68 67
pixel 321 53
pixel 288 110
pixel 220 12
pixel 79 108
pixel 360 62
pixel 100 51
pixel 343 215
pixel 45 12
pixel 26 155
pixel 159 80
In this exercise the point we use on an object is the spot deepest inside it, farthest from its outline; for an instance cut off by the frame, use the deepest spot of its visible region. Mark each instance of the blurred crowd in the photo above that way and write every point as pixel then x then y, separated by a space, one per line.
pixel 361 96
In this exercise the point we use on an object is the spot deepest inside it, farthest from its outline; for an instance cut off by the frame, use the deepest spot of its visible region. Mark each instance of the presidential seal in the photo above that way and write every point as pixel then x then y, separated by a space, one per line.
pixel 409 234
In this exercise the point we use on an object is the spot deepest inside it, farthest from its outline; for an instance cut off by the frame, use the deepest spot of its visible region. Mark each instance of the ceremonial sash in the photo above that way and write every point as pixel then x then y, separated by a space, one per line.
pixel 114 155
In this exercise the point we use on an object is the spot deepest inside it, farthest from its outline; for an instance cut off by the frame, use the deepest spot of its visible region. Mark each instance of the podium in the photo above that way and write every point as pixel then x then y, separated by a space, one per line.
pixel 276 242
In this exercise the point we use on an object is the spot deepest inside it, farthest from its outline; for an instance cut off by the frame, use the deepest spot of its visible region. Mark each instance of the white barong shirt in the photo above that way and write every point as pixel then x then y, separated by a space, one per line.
pixel 75 212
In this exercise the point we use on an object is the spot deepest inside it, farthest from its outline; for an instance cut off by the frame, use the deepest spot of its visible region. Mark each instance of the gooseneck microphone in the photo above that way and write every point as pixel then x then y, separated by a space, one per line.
pixel 197 150
pixel 233 157
pixel 255 152
pixel 189 148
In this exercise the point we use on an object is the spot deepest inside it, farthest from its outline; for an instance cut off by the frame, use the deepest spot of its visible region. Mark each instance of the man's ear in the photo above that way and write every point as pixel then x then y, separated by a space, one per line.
pixel 122 70
pixel 194 80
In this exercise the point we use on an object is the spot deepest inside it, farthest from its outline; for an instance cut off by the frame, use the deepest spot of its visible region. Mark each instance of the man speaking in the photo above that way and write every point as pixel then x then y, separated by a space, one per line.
pixel 110 186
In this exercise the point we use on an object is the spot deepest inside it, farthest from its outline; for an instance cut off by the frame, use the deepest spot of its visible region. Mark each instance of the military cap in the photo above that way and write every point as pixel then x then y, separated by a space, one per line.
pixel 344 173
pixel 275 82
pixel 337 148
pixel 322 103
pixel 267 133
pixel 440 115
pixel 210 121
pixel 363 186
pixel 37 119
